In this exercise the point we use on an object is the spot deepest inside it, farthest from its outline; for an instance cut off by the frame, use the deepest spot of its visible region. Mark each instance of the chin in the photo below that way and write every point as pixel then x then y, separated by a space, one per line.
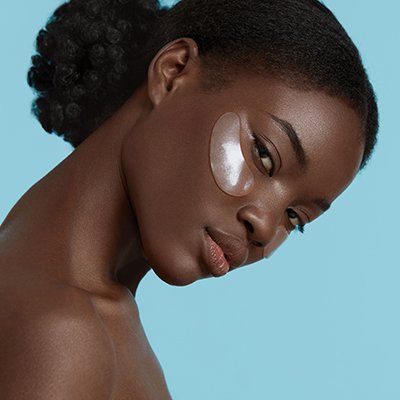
pixel 177 262
pixel 176 273
pixel 175 279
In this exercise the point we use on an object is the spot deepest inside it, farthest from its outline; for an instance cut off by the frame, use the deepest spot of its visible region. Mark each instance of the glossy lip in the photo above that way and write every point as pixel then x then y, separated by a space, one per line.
pixel 233 248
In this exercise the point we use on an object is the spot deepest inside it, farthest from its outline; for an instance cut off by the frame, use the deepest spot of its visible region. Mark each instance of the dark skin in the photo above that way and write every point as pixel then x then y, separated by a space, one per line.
pixel 138 193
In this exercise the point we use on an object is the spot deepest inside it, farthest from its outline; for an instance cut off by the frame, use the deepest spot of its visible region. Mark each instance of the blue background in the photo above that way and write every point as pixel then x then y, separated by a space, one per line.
pixel 320 320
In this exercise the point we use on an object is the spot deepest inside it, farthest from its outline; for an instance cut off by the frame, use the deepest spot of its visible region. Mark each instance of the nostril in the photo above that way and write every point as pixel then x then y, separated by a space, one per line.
pixel 249 227
pixel 257 244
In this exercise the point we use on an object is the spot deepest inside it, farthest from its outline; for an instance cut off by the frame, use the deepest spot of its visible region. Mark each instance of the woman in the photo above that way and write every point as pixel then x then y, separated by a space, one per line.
pixel 204 135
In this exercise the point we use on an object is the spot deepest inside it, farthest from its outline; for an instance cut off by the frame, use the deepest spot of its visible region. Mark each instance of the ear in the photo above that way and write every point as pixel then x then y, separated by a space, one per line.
pixel 170 67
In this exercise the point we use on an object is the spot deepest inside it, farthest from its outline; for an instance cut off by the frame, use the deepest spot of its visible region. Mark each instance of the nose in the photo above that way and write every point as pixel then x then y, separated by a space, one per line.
pixel 261 224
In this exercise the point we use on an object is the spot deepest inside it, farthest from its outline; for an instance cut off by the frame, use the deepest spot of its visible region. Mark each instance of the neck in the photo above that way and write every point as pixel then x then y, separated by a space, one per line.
pixel 77 223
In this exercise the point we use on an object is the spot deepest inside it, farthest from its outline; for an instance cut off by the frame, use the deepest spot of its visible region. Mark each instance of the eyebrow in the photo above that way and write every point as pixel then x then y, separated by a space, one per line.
pixel 322 204
pixel 298 149
pixel 287 127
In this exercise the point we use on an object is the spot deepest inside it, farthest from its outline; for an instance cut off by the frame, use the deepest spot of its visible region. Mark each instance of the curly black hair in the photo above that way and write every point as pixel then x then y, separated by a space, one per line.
pixel 93 54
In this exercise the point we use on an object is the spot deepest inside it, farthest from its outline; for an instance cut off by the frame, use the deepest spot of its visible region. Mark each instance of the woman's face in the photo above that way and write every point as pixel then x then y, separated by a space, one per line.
pixel 219 180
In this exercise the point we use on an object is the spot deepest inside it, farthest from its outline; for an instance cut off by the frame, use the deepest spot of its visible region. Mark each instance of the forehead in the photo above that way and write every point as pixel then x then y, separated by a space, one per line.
pixel 328 129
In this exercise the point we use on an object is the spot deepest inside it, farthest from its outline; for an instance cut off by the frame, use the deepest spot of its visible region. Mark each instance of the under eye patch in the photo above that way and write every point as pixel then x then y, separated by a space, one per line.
pixel 228 165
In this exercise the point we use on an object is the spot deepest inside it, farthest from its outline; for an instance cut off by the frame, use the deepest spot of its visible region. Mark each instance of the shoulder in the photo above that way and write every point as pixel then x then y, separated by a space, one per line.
pixel 55 346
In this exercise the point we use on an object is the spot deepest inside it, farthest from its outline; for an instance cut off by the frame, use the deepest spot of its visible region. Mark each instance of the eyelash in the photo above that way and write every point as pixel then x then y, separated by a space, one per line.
pixel 299 227
pixel 263 153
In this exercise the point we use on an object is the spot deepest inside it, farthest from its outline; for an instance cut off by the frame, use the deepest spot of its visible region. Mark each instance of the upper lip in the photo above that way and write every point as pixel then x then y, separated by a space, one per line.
pixel 234 248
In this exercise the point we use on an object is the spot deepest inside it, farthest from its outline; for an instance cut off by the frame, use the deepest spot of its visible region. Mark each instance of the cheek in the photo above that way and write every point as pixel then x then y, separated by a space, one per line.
pixel 280 236
pixel 228 165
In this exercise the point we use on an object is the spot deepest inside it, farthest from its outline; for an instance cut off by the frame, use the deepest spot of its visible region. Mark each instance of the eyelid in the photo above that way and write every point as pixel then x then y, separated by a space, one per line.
pixel 301 225
pixel 261 147
pixel 265 142
pixel 306 214
pixel 273 150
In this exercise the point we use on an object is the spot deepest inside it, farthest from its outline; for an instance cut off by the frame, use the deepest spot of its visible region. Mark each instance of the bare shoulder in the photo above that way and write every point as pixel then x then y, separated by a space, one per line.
pixel 54 346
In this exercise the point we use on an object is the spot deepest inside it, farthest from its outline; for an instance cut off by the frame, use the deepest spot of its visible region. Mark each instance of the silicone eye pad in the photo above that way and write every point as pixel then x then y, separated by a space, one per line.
pixel 228 166
pixel 280 236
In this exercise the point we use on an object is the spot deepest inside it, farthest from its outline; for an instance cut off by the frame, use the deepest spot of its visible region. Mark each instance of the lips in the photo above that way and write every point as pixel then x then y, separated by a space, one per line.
pixel 225 252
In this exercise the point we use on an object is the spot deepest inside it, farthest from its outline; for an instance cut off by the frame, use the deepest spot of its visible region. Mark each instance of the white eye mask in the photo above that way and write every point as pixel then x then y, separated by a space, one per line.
pixel 228 165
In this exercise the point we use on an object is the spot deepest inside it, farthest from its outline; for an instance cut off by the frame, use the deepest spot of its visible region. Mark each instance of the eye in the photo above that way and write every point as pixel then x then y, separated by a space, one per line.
pixel 295 220
pixel 264 155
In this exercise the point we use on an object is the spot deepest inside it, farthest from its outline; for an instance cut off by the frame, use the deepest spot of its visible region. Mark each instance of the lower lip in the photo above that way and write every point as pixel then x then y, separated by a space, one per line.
pixel 218 265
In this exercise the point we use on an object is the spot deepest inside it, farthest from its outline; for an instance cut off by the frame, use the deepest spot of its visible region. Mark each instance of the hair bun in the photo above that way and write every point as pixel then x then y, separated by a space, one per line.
pixel 80 71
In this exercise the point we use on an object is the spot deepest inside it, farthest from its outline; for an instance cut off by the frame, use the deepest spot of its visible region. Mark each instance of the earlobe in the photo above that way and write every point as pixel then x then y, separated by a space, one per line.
pixel 169 66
